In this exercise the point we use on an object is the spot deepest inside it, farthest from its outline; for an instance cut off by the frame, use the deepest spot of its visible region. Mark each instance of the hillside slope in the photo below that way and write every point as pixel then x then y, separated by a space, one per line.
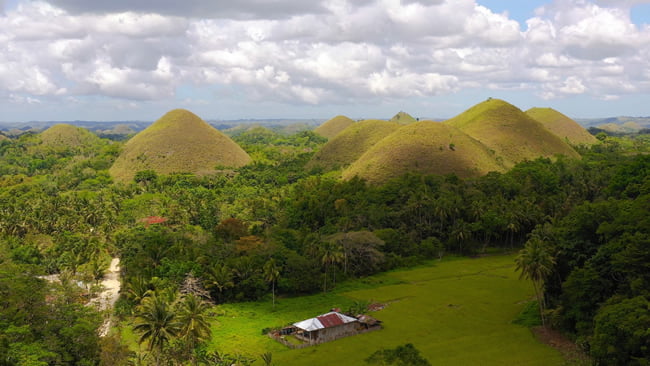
pixel 67 136
pixel 425 147
pixel 403 118
pixel 562 126
pixel 179 141
pixel 351 143
pixel 509 132
pixel 334 126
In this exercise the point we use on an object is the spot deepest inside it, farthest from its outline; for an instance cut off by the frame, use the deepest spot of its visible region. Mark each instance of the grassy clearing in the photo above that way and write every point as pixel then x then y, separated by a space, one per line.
pixel 456 312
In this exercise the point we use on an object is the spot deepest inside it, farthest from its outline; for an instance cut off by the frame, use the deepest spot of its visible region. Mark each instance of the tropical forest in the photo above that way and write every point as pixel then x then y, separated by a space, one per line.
pixel 496 237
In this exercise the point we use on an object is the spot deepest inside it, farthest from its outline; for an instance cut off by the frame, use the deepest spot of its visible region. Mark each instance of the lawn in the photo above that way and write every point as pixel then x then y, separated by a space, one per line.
pixel 456 312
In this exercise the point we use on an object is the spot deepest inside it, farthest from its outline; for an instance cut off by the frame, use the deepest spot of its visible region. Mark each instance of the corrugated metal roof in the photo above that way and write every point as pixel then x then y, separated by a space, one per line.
pixel 331 319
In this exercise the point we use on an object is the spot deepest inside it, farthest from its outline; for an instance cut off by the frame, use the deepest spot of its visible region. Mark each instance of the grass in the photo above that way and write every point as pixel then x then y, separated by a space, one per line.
pixel 512 134
pixel 456 312
pixel 425 147
pixel 347 146
pixel 333 126
pixel 562 126
pixel 180 141
pixel 529 316
pixel 67 136
pixel 403 118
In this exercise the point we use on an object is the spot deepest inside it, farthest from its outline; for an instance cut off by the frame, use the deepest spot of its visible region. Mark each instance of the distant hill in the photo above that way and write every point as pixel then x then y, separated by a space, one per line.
pixel 351 143
pixel 179 141
pixel 623 124
pixel 513 135
pixel 403 118
pixel 562 126
pixel 424 147
pixel 67 136
pixel 333 126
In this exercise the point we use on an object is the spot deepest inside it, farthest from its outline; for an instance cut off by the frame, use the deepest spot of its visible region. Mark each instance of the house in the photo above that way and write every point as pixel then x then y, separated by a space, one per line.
pixel 326 327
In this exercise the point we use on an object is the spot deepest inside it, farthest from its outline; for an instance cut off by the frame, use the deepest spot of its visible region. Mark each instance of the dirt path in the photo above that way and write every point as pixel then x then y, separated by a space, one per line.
pixel 570 351
pixel 111 291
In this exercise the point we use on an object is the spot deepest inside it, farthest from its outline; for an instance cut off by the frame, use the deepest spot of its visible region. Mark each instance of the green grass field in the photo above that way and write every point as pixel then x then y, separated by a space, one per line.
pixel 456 312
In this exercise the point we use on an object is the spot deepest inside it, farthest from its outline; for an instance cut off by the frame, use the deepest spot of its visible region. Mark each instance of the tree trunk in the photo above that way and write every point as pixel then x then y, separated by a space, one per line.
pixel 540 303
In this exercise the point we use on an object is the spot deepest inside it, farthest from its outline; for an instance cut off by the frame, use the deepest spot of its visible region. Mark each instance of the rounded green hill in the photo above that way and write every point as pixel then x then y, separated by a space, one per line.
pixel 510 133
pixel 425 147
pixel 351 143
pixel 562 126
pixel 334 126
pixel 67 136
pixel 403 118
pixel 179 141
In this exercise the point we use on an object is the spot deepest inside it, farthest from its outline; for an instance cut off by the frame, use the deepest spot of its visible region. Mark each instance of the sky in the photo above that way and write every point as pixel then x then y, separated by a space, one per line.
pixel 222 59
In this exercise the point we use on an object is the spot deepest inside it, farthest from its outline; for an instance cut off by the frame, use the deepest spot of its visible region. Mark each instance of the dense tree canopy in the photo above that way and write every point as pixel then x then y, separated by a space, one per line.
pixel 275 228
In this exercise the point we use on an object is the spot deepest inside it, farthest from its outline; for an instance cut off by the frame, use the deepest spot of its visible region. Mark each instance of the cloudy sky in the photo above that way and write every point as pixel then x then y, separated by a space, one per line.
pixel 224 59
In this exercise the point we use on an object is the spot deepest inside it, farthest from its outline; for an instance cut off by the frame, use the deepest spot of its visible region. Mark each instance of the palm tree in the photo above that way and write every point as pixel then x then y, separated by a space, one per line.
pixel 536 263
pixel 156 321
pixel 267 358
pixel 137 289
pixel 331 253
pixel 271 274
pixel 220 277
pixel 193 322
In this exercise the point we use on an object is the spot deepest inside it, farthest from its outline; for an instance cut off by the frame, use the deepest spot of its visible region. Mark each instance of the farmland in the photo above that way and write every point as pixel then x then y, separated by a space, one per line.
pixel 457 311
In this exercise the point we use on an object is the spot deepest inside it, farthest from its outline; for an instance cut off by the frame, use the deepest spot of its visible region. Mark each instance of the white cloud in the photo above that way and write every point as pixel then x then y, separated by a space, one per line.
pixel 240 9
pixel 329 51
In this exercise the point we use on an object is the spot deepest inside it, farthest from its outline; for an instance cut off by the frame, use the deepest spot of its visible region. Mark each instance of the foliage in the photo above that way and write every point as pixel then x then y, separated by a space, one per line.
pixel 535 263
pixel 405 355
pixel 61 215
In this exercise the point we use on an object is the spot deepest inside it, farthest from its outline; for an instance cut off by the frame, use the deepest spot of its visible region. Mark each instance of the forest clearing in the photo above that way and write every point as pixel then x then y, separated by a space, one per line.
pixel 456 311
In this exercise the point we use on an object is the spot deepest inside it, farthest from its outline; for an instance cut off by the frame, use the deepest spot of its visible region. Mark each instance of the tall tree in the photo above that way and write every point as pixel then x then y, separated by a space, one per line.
pixel 331 253
pixel 219 277
pixel 193 322
pixel 535 262
pixel 157 323
pixel 271 275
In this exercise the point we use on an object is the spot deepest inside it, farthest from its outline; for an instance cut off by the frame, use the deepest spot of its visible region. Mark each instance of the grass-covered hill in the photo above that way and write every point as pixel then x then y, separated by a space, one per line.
pixel 351 143
pixel 65 136
pixel 562 126
pixel 424 147
pixel 179 141
pixel 334 126
pixel 510 133
pixel 403 118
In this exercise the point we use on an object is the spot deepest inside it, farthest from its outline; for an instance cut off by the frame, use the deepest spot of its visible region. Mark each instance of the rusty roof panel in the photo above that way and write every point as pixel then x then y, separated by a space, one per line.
pixel 330 320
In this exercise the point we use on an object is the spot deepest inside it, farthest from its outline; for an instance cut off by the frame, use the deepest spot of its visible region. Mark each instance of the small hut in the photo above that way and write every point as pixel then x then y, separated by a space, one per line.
pixel 326 327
